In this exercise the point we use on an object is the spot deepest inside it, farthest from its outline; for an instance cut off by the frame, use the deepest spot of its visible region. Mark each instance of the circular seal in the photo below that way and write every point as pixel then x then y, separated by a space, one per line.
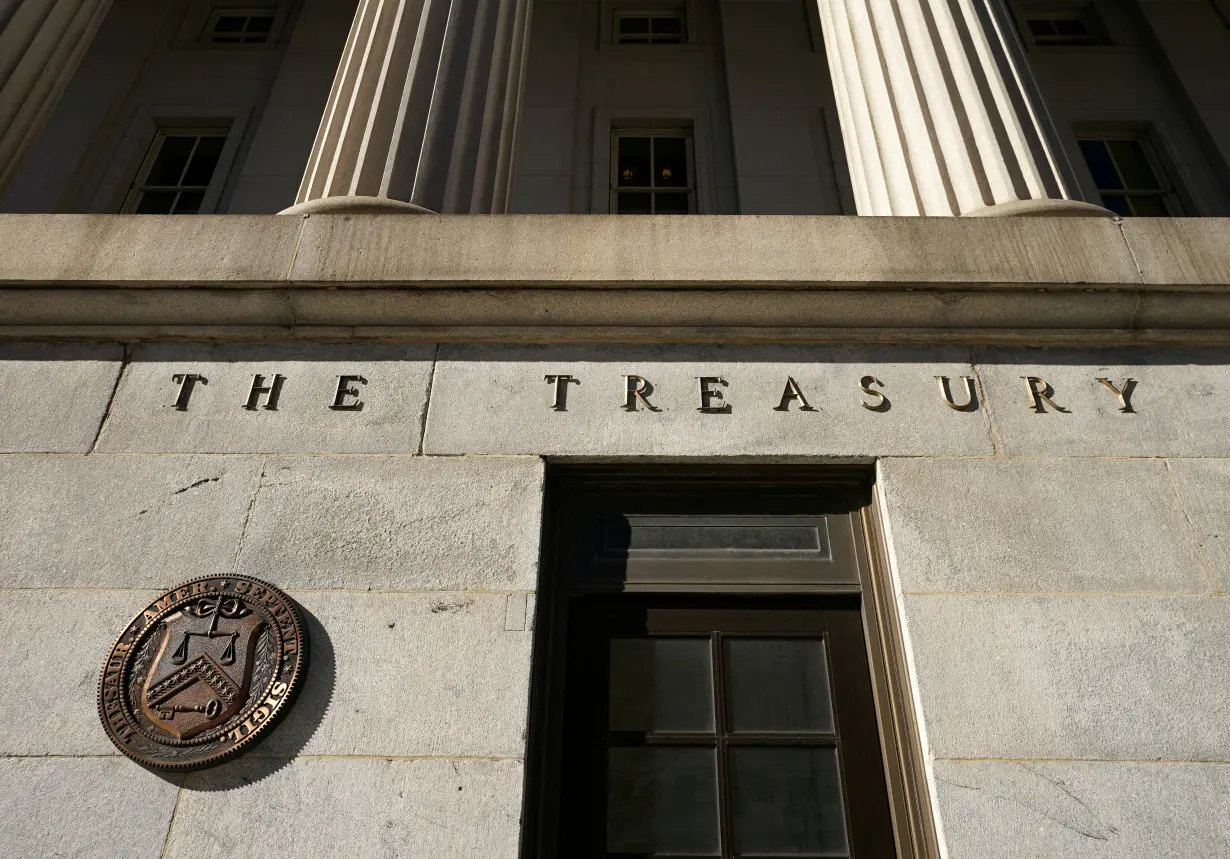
pixel 202 672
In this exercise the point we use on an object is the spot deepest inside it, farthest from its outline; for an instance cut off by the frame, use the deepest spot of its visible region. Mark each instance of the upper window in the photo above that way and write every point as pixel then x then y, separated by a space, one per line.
pixel 177 172
pixel 1128 176
pixel 240 27
pixel 653 173
pixel 1059 31
pixel 650 28
pixel 1062 25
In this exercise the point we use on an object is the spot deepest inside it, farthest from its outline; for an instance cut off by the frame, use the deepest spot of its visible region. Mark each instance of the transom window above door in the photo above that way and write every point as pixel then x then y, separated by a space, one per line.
pixel 653 173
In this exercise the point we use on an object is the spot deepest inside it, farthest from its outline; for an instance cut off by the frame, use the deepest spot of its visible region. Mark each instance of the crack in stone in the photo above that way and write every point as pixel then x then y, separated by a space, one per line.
pixel 195 485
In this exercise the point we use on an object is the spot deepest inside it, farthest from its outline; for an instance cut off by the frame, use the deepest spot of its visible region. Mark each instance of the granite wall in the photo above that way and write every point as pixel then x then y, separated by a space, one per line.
pixel 1061 575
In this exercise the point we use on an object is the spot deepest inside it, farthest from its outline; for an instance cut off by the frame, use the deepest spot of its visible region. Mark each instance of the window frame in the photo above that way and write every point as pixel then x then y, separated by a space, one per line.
pixel 688 191
pixel 138 187
pixel 1170 193
pixel 679 14
pixel 1100 36
pixel 845 495
pixel 273 13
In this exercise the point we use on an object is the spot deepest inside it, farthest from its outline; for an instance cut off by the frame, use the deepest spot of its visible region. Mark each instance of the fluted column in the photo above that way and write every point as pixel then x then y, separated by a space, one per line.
pixel 423 112
pixel 939 111
pixel 41 44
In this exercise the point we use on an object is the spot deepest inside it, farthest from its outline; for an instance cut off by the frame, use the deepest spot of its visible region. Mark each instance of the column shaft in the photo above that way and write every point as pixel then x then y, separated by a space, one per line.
pixel 423 110
pixel 41 44
pixel 939 112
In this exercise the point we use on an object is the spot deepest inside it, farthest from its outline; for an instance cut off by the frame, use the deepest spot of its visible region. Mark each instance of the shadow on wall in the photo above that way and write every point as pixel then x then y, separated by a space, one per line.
pixel 286 740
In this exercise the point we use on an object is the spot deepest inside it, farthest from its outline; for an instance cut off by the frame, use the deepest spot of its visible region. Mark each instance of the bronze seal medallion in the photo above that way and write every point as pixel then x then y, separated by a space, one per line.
pixel 202 672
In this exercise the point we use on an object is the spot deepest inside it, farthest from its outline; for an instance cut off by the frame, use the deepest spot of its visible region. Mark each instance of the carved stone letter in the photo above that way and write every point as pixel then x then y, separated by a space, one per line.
pixel 187 381
pixel 971 394
pixel 1040 392
pixel 345 390
pixel 708 394
pixel 793 392
pixel 1124 394
pixel 559 400
pixel 882 403
pixel 259 389
pixel 638 388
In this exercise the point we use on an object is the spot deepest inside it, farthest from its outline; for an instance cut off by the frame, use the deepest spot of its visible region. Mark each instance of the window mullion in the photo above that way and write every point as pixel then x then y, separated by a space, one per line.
pixel 725 815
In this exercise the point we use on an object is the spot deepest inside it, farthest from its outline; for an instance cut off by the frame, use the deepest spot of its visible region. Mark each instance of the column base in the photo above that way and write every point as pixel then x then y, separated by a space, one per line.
pixel 1043 209
pixel 355 206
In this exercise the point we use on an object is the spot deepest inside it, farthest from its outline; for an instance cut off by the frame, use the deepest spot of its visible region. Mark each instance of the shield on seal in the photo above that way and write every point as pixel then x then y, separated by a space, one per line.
pixel 201 674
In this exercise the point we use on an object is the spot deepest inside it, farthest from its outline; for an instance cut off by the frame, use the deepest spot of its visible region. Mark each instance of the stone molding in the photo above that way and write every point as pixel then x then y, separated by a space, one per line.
pixel 703 279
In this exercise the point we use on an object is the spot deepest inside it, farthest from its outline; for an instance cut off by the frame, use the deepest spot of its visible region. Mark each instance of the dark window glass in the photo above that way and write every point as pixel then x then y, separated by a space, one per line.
pixel 1134 167
pixel 1117 203
pixel 172 158
pixel 204 161
pixel 777 686
pixel 668 26
pixel 670 162
pixel 1097 156
pixel 1041 27
pixel 671 204
pixel 636 203
pixel 1148 206
pixel 156 203
pixel 661 684
pixel 259 24
pixel 230 23
pixel 634 25
pixel 189 202
pixel 662 800
pixel 787 802
pixel 633 165
pixel 1070 27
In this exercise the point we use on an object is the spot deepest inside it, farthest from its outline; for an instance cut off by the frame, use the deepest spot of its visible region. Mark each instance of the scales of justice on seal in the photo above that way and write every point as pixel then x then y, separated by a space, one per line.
pixel 202 672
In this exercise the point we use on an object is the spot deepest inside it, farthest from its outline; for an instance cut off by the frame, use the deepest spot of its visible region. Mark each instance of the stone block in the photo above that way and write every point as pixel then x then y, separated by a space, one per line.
pixel 56 394
pixel 54 644
pixel 444 809
pixel 409 675
pixel 83 807
pixel 397 522
pixel 1072 810
pixel 1205 487
pixel 1179 250
pixel 1039 525
pixel 1066 677
pixel 215 418
pixel 1180 402
pixel 714 250
pixel 120 249
pixel 121 521
pixel 495 399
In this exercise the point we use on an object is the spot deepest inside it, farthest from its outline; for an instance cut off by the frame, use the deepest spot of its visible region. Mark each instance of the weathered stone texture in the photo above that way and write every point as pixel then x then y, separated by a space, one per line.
pixel 351 807
pixel 82 808
pixel 1039 525
pixel 409 675
pixel 1181 402
pixel 54 644
pixel 55 396
pixel 494 399
pixel 216 420
pixel 121 521
pixel 397 522
pixel 1098 678
pixel 1073 810
pixel 1205 487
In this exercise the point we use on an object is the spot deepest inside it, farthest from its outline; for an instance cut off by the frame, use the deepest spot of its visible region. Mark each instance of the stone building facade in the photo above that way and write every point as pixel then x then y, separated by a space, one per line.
pixel 651 477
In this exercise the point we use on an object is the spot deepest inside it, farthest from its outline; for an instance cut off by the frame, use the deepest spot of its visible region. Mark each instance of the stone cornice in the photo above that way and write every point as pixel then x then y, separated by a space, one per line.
pixel 644 279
